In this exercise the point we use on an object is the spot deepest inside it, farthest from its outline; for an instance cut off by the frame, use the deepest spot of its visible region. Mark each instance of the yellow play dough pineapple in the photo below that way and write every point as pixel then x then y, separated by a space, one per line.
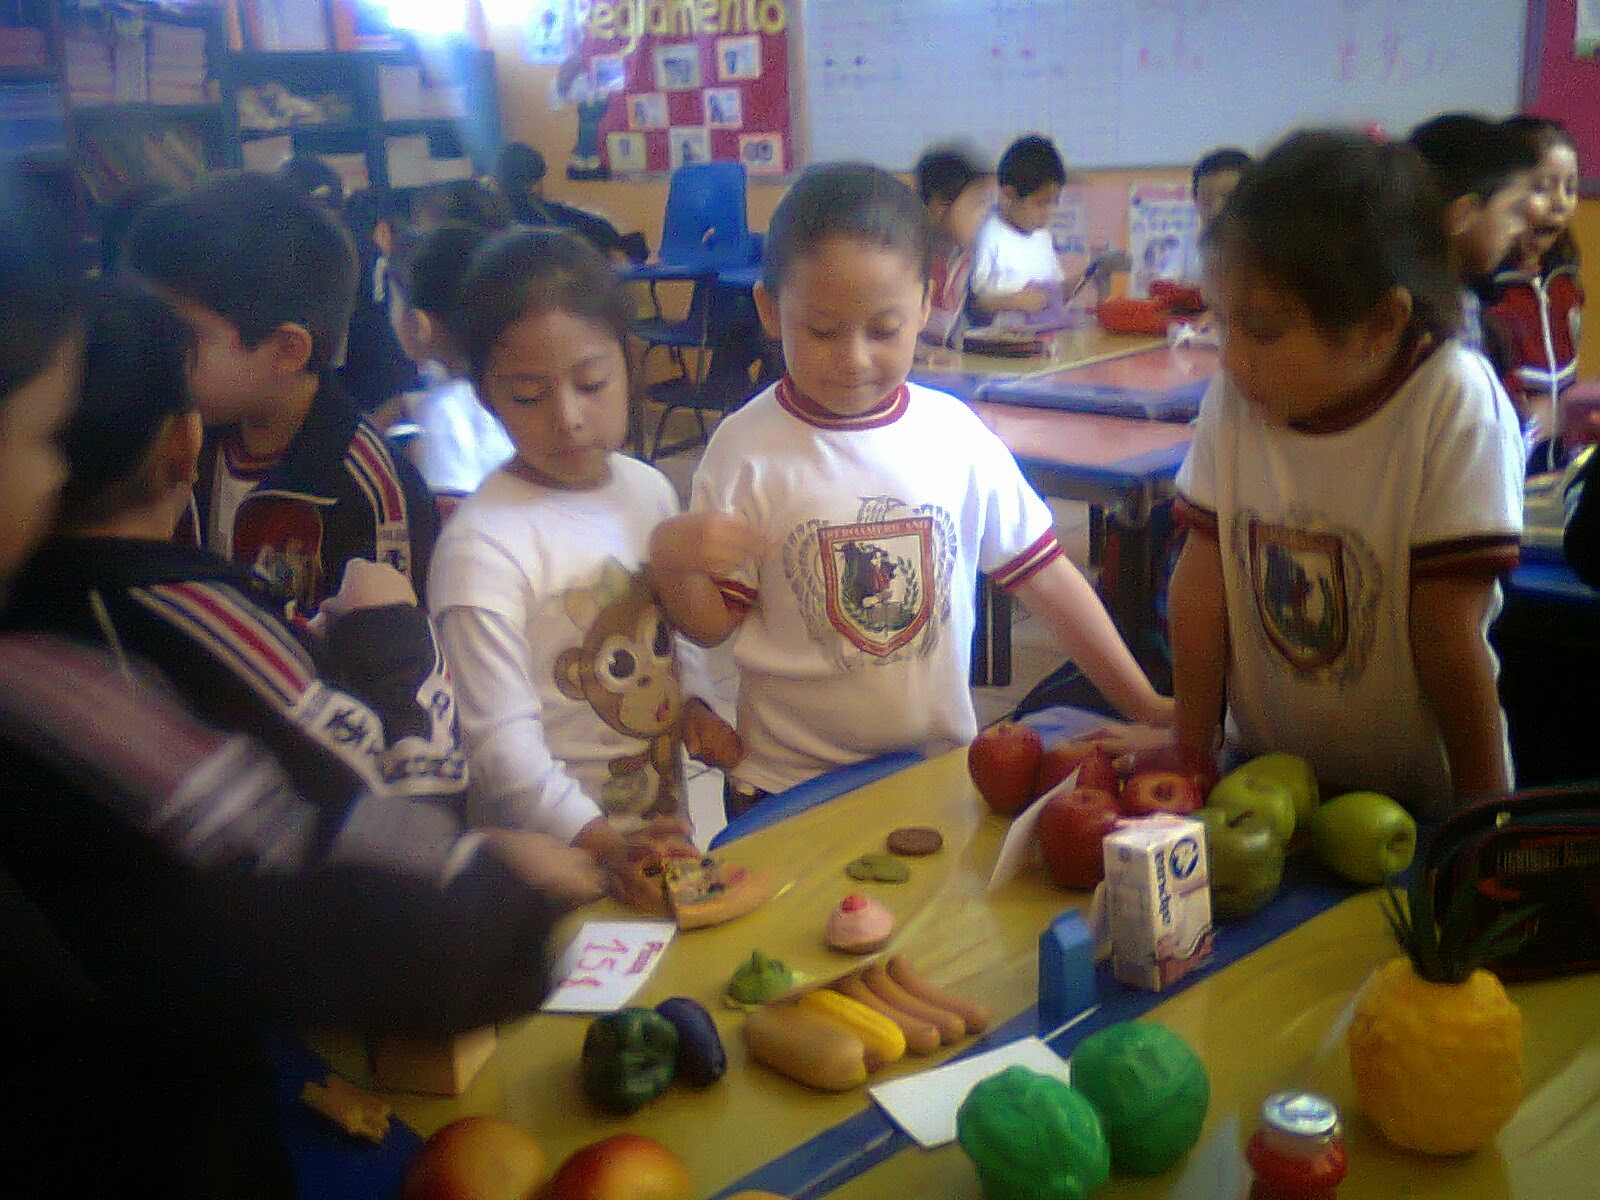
pixel 1435 1043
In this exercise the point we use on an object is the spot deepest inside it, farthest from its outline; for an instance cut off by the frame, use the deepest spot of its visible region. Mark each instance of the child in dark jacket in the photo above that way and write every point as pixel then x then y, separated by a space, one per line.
pixel 293 482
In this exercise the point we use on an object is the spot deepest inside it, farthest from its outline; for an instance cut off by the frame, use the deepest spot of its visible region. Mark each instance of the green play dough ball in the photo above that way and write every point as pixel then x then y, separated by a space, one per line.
pixel 1150 1090
pixel 1031 1137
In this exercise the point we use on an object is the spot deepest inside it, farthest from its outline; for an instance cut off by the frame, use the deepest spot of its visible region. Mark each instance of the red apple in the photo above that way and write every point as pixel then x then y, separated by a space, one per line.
pixel 1070 830
pixel 1161 792
pixel 625 1167
pixel 1098 771
pixel 1202 768
pixel 476 1158
pixel 1003 761
pixel 1059 760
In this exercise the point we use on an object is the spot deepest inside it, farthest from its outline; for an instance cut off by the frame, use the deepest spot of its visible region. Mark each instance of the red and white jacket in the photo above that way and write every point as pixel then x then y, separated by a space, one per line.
pixel 1538 318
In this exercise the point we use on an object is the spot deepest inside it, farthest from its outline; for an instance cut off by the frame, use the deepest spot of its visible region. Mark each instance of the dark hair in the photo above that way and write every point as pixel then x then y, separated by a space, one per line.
pixel 1338 221
pixel 462 202
pixel 1471 155
pixel 137 351
pixel 315 180
pixel 1031 163
pixel 436 263
pixel 519 168
pixel 1544 134
pixel 40 290
pixel 257 254
pixel 117 216
pixel 845 200
pixel 524 271
pixel 947 171
pixel 1228 158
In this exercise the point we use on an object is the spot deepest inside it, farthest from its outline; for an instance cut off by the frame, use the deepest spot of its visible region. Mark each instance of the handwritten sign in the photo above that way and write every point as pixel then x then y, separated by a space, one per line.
pixel 606 964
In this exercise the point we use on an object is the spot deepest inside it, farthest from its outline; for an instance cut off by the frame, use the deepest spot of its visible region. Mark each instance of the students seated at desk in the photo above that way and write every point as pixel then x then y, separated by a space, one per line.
pixel 521 175
pixel 1014 263
pixel 959 195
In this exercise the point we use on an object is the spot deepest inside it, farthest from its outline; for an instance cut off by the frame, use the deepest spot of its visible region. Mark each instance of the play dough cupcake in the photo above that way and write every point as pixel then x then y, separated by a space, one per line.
pixel 860 925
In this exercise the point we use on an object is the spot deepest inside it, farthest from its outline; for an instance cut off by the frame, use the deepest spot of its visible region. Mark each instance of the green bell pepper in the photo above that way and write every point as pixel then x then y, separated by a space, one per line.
pixel 1150 1089
pixel 629 1058
pixel 1031 1137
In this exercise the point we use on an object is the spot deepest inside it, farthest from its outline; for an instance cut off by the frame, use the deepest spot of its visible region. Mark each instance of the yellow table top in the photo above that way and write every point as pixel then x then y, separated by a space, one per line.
pixel 1069 348
pixel 1270 1020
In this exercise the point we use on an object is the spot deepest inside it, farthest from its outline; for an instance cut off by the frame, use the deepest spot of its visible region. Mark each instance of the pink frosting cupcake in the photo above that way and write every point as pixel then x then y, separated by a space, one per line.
pixel 860 925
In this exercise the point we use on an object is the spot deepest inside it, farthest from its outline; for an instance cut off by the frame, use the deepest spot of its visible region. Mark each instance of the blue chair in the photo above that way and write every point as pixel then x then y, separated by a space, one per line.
pixel 705 231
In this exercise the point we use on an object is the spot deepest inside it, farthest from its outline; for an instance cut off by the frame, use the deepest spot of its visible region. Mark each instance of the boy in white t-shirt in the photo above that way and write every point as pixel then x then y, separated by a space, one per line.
pixel 1353 491
pixel 1014 263
pixel 840 519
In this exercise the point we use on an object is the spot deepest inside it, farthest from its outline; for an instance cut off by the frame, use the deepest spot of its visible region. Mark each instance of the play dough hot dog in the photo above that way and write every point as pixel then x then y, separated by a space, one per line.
pixel 952 1028
pixel 977 1018
pixel 922 1037
pixel 808 1048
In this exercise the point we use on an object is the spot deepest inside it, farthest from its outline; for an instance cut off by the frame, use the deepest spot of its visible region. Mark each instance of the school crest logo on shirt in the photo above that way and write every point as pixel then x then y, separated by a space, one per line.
pixel 881 583
pixel 1315 593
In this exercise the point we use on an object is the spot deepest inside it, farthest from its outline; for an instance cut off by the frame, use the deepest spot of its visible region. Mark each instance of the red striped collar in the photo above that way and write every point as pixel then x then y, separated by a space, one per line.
pixel 243 465
pixel 1351 412
pixel 800 406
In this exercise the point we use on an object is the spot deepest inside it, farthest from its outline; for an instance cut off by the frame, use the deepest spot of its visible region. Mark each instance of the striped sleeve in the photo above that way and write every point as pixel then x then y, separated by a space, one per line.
pixel 257 649
pixel 1489 554
pixel 1013 574
pixel 373 468
pixel 1194 518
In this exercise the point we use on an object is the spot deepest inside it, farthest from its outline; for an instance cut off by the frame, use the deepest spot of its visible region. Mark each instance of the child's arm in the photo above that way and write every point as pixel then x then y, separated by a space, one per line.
pixel 1063 599
pixel 688 556
pixel 1198 624
pixel 1456 670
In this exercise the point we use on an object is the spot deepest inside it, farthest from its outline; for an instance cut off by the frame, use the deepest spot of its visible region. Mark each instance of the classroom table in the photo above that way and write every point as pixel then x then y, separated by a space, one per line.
pixel 966 375
pixel 1163 383
pixel 1266 1015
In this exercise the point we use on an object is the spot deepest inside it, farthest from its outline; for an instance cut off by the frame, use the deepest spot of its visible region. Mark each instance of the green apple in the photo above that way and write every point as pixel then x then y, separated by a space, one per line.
pixel 1245 860
pixel 1265 794
pixel 1364 836
pixel 1295 771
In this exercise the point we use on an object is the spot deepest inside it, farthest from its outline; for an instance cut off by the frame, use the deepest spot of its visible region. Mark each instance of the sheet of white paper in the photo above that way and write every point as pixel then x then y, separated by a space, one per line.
pixel 1019 844
pixel 925 1105
pixel 607 962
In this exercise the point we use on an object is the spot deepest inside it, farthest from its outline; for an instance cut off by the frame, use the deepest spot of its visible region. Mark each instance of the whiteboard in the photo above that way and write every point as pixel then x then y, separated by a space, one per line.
pixel 1133 83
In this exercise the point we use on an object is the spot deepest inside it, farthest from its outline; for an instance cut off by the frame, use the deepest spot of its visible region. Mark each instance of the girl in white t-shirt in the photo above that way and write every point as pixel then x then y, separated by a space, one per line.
pixel 1353 491
pixel 573 708
pixel 841 517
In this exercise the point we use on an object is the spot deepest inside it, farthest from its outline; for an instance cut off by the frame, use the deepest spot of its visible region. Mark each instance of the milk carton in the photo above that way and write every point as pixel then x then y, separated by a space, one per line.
pixel 1158 900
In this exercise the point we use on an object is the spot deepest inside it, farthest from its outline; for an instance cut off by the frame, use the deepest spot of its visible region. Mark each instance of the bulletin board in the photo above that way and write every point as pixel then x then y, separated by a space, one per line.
pixel 1562 76
pixel 1140 83
pixel 674 82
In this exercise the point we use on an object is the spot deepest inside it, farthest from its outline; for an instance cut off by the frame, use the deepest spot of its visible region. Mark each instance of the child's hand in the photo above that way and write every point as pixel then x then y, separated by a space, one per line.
pixel 566 874
pixel 1162 712
pixel 1032 299
pixel 365 585
pixel 713 544
pixel 710 739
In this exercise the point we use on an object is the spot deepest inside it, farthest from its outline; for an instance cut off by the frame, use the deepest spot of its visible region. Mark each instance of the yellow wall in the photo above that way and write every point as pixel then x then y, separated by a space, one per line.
pixel 1587 227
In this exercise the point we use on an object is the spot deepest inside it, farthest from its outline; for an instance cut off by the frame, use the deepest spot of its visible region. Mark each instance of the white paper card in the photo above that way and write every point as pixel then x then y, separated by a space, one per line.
pixel 607 963
pixel 925 1105
pixel 1019 843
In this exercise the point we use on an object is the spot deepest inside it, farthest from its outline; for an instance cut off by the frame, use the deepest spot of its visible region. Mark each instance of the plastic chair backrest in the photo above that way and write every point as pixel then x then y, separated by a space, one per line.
pixel 705 220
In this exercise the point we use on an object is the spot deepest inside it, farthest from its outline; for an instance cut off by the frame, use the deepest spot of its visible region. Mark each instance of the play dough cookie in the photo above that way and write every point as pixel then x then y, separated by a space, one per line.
pixel 915 841
pixel 878 868
pixel 860 925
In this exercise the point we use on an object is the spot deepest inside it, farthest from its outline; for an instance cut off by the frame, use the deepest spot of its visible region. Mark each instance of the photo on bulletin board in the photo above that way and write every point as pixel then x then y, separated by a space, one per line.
pixel 724 108
pixel 762 153
pixel 547 39
pixel 1586 36
pixel 647 111
pixel 678 67
pixel 688 144
pixel 610 73
pixel 738 58
pixel 628 152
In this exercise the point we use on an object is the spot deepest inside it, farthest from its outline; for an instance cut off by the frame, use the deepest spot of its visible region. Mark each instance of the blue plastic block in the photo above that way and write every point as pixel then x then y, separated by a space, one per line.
pixel 1066 970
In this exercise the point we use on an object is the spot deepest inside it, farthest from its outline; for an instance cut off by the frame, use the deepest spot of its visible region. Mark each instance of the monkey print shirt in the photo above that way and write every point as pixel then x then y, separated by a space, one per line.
pixel 567 676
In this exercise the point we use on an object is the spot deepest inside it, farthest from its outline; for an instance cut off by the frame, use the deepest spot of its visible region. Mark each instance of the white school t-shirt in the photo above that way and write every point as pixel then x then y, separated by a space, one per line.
pixel 460 440
pixel 1321 536
pixel 566 675
pixel 858 636
pixel 1006 260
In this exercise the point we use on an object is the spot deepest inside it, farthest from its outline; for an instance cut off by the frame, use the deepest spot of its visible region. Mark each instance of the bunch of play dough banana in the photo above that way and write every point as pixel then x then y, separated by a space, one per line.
pixel 834 1037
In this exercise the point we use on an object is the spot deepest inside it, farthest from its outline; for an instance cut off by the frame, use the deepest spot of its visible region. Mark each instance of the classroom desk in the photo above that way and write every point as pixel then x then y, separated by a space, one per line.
pixel 1163 383
pixel 1266 1015
pixel 966 375
pixel 1120 468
